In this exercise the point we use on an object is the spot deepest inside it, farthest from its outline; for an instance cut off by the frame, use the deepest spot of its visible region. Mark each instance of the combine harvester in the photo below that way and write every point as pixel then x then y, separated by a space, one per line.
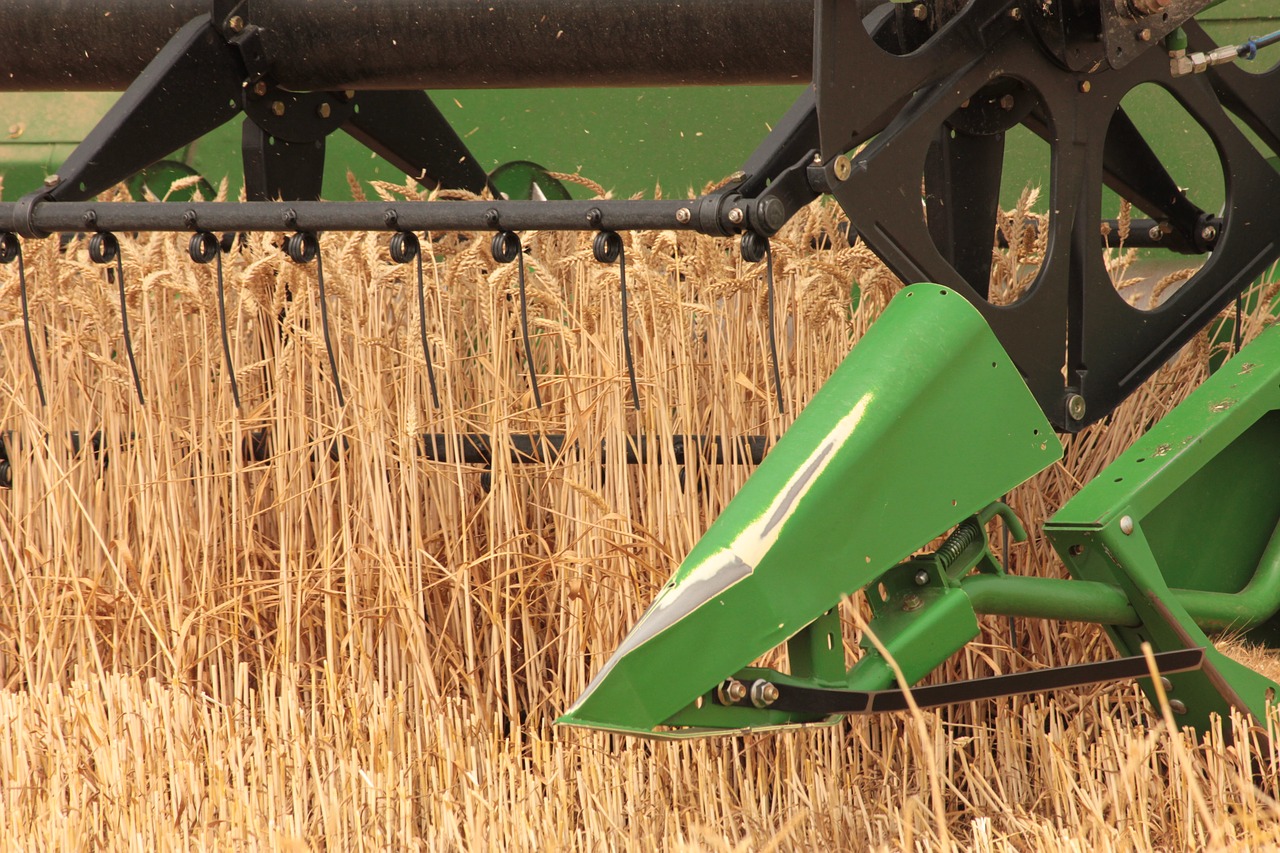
pixel 950 400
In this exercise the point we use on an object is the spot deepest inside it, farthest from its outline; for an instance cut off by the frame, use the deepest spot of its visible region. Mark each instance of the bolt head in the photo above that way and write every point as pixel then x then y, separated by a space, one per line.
pixel 1006 103
pixel 52 180
pixel 235 23
pixel 919 12
pixel 1144 34
pixel 277 108
pixel 1085 86
pixel 1016 13
pixel 735 216
pixel 1126 525
pixel 260 88
pixel 324 110
pixel 912 602
pixel 683 215
pixel 922 578
pixel 1156 233
pixel 842 168
pixel 1076 407
pixel 1209 233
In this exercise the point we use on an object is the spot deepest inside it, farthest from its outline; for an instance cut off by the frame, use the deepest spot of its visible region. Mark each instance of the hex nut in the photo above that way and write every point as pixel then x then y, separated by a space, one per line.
pixel 763 693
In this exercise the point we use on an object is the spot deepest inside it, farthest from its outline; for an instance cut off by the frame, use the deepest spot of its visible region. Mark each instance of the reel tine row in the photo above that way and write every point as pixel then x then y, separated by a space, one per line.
pixel 303 247
pixel 11 250
pixel 103 249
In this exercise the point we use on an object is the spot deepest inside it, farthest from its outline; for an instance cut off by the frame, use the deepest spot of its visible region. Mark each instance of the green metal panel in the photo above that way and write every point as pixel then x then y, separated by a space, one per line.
pixel 924 424
pixel 1188 515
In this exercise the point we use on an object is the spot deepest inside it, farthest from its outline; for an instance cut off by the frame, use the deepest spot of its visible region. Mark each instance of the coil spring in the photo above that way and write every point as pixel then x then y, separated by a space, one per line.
pixel 960 539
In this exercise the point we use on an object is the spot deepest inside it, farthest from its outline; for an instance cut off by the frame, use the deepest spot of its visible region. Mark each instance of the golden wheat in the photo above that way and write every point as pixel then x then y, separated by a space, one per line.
pixel 342 643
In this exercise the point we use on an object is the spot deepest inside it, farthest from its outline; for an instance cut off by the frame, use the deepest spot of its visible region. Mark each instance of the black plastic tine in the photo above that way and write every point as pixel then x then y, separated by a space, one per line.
pixel 11 250
pixel 304 247
pixel 404 248
pixel 205 247
pixel 756 248
pixel 773 335
pixel 506 247
pixel 607 248
pixel 103 249
pixel 1235 338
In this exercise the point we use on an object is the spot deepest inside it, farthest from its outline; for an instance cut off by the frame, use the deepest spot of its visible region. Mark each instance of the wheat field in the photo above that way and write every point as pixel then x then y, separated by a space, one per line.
pixel 339 643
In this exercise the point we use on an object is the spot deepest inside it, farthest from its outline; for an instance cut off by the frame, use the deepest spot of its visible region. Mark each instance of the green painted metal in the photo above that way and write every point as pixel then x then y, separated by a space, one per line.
pixel 1185 522
pixel 1050 598
pixel 921 427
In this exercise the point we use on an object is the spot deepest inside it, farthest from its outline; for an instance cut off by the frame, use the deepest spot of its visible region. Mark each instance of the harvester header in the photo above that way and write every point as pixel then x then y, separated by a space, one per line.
pixel 953 398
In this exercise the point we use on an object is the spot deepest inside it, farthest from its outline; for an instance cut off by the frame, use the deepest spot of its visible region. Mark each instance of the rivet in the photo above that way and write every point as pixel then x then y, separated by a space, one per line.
pixel 1166 684
pixel 1177 706
pixel 1126 525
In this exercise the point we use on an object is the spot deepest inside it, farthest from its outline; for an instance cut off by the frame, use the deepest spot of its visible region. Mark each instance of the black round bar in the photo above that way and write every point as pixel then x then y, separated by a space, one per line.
pixel 416 44
pixel 42 218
